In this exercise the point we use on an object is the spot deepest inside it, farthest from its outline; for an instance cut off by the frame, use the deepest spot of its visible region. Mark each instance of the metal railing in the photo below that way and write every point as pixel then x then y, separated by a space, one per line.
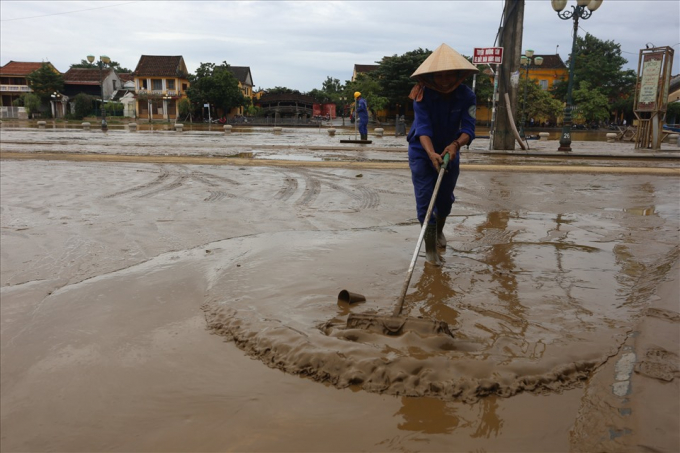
pixel 11 112
pixel 16 88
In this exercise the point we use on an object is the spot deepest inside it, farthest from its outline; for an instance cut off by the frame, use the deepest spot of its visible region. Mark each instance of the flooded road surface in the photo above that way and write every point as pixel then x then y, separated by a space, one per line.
pixel 296 146
pixel 193 308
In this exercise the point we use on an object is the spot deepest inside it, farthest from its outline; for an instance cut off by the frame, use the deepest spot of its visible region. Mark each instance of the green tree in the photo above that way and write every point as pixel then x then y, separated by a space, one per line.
pixel 394 75
pixel 540 105
pixel 44 81
pixel 370 89
pixel 215 84
pixel 330 91
pixel 30 101
pixel 254 110
pixel 83 105
pixel 332 86
pixel 114 108
pixel 184 108
pixel 599 63
pixel 281 90
pixel 673 113
pixel 320 96
pixel 592 105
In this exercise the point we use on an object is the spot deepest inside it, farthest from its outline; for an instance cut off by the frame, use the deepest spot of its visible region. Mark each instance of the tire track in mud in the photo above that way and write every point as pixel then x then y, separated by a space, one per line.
pixel 160 179
pixel 365 197
pixel 290 185
pixel 203 177
pixel 391 192
pixel 162 183
pixel 311 192
pixel 176 183
pixel 199 177
pixel 207 179
pixel 217 196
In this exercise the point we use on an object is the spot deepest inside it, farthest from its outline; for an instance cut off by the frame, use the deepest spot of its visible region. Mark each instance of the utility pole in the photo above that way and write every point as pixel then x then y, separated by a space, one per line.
pixel 511 41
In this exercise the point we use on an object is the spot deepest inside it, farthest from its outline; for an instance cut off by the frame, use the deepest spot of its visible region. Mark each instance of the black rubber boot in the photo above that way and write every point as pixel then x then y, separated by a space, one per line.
pixel 364 136
pixel 431 254
pixel 441 239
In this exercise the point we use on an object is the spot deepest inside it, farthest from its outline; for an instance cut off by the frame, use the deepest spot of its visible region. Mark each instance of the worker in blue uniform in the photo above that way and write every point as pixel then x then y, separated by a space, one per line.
pixel 362 115
pixel 444 122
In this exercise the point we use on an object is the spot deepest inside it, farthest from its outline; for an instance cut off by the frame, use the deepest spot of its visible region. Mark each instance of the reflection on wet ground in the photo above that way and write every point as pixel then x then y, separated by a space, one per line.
pixel 525 290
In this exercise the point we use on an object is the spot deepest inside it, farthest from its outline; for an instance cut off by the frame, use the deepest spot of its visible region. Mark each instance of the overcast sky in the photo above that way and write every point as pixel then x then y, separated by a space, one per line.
pixel 298 44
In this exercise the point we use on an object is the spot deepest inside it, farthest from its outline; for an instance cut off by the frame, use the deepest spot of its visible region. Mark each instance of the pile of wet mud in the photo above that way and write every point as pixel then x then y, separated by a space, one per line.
pixel 520 323
pixel 405 366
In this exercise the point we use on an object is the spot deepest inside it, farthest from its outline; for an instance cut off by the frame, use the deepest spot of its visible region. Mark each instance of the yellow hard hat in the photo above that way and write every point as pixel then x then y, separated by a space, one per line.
pixel 356 94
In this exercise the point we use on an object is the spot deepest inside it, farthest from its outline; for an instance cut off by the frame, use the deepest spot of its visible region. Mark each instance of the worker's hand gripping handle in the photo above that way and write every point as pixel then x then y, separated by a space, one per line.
pixel 447 158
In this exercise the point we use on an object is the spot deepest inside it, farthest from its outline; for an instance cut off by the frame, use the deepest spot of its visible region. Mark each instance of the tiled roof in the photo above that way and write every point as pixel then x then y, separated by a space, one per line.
pixel 20 67
pixel 118 94
pixel 160 66
pixel 84 76
pixel 241 73
pixel 549 62
pixel 365 67
pixel 125 76
pixel 674 83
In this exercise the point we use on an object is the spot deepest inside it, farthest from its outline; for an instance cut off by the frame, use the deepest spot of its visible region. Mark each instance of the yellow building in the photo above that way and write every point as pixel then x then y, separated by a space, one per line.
pixel 160 83
pixel 550 72
pixel 363 69
pixel 245 84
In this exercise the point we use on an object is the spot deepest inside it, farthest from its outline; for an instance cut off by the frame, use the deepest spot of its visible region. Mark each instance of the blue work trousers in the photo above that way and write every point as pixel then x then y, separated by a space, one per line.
pixel 363 125
pixel 424 177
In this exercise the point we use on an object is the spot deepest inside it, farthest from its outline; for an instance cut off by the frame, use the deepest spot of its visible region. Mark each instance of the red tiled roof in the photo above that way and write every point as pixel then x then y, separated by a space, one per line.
pixel 84 76
pixel 125 76
pixel 160 66
pixel 21 67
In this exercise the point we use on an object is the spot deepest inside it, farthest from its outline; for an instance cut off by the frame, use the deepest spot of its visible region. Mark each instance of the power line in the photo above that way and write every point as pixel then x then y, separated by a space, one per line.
pixel 66 12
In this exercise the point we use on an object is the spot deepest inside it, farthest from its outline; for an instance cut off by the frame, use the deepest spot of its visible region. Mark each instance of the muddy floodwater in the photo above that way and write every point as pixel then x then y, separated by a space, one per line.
pixel 179 307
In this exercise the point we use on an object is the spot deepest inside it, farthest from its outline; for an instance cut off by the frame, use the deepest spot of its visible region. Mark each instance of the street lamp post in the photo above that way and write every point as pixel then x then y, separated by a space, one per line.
pixel 526 61
pixel 102 63
pixel 583 10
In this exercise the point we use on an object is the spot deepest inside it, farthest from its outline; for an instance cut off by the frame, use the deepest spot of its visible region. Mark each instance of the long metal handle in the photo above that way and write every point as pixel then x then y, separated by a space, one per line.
pixel 409 274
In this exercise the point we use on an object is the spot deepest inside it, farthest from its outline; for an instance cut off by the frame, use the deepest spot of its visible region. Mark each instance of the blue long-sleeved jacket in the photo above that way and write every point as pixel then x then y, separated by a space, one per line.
pixel 362 109
pixel 443 118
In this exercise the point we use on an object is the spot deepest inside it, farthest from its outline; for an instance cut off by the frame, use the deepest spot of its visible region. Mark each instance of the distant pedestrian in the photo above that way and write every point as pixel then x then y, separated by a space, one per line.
pixel 362 115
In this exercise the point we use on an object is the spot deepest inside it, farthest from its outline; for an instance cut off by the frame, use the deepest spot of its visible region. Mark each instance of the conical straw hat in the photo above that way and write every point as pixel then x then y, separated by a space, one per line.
pixel 444 58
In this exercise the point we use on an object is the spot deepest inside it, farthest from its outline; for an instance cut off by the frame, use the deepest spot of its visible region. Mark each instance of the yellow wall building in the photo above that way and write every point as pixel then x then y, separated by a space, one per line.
pixel 550 72
pixel 160 83
pixel 245 84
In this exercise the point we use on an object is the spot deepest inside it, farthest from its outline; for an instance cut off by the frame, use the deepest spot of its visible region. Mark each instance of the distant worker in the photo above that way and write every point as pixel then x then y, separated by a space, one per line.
pixel 362 115
pixel 444 122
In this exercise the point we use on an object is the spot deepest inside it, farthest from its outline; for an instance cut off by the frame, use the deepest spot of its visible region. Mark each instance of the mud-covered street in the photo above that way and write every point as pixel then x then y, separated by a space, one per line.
pixel 172 306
